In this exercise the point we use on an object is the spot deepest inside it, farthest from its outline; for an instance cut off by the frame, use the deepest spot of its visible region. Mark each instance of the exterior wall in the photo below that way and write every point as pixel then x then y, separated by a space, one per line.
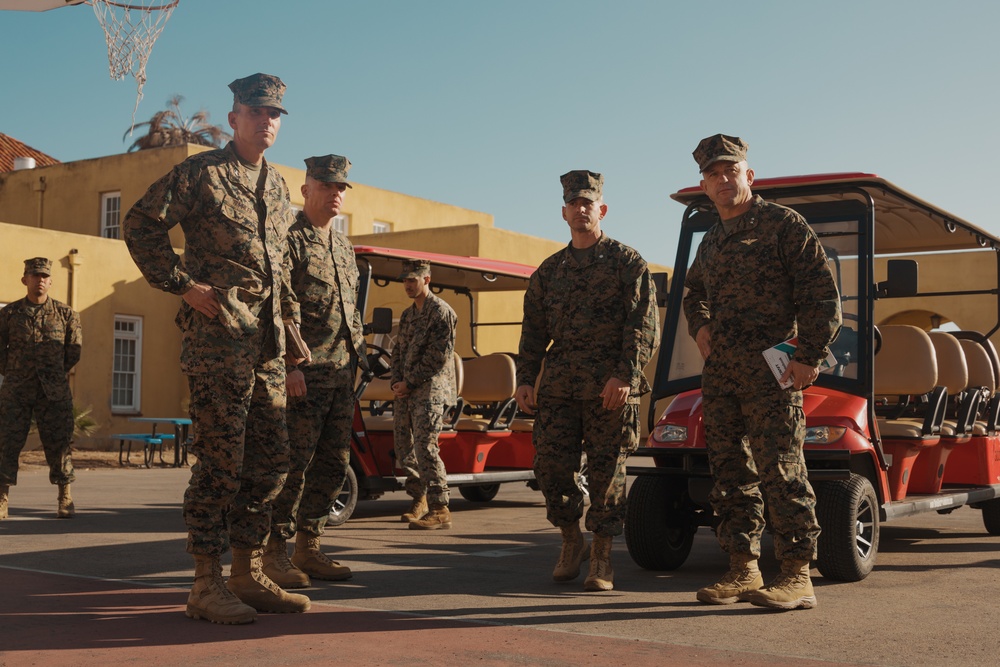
pixel 52 210
pixel 947 272
pixel 98 279
pixel 67 196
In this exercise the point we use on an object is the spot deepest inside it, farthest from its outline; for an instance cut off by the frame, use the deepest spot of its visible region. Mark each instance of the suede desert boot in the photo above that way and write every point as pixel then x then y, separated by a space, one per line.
pixel 66 507
pixel 742 579
pixel 309 558
pixel 278 568
pixel 418 510
pixel 574 552
pixel 792 589
pixel 601 576
pixel 4 500
pixel 439 517
pixel 211 600
pixel 249 583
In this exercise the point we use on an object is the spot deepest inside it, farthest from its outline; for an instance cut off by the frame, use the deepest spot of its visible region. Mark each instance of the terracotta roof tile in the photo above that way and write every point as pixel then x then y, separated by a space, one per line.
pixel 11 148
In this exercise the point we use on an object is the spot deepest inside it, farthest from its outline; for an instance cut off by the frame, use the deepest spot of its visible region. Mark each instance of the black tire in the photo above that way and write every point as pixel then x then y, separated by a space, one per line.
pixel 848 513
pixel 343 506
pixel 659 528
pixel 991 516
pixel 482 493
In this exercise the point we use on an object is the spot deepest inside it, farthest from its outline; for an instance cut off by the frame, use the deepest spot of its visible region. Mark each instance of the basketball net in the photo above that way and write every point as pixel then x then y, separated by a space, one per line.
pixel 130 31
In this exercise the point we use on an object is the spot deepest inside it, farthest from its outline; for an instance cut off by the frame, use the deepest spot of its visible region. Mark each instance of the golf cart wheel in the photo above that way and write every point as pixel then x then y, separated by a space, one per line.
pixel 991 516
pixel 848 513
pixel 659 531
pixel 482 493
pixel 344 504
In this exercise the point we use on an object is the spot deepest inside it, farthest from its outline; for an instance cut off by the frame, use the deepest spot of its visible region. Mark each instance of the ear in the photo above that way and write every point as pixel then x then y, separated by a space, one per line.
pixel 604 211
pixel 702 184
pixel 749 176
pixel 304 190
pixel 24 280
pixel 564 213
pixel 232 119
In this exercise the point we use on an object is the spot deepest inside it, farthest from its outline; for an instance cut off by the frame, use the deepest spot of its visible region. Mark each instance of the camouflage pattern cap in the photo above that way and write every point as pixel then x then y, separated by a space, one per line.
pixel 581 183
pixel 414 268
pixel 719 147
pixel 259 90
pixel 329 169
pixel 38 265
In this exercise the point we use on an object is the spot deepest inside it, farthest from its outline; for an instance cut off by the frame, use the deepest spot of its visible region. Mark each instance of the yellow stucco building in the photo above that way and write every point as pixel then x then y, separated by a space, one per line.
pixel 71 213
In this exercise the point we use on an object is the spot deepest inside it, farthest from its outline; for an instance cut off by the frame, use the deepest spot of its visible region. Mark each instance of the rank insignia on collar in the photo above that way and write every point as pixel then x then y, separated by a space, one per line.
pixel 748 241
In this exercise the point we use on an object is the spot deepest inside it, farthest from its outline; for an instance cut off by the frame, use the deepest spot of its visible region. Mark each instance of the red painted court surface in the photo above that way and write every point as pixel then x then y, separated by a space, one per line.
pixel 53 619
pixel 109 588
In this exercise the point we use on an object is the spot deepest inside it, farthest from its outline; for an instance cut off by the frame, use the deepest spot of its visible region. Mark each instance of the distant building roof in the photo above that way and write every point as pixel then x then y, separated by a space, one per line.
pixel 11 148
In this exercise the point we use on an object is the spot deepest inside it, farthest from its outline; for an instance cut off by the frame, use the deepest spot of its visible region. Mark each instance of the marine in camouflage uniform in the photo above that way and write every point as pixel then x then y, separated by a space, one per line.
pixel 423 382
pixel 324 277
pixel 233 278
pixel 760 277
pixel 40 341
pixel 595 302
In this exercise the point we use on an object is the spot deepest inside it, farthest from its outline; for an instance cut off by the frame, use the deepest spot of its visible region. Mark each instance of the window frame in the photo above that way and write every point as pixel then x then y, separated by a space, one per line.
pixel 135 406
pixel 107 197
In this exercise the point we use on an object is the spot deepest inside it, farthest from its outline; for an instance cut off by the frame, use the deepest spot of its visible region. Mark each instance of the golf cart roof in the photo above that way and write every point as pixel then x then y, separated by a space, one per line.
pixel 477 274
pixel 904 223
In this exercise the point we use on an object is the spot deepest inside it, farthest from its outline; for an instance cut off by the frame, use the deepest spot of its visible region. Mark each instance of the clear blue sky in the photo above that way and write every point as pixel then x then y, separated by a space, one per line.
pixel 483 104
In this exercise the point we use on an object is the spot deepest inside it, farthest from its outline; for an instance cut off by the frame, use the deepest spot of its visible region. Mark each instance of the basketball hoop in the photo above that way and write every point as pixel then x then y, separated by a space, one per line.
pixel 130 30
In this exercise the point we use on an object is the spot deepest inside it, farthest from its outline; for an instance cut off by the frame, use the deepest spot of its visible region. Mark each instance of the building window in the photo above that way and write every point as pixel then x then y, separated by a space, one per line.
pixel 342 223
pixel 111 209
pixel 126 374
pixel 380 227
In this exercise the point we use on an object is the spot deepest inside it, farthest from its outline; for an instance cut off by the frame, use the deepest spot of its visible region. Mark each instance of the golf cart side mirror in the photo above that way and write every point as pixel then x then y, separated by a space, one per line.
pixel 901 279
pixel 381 321
pixel 662 282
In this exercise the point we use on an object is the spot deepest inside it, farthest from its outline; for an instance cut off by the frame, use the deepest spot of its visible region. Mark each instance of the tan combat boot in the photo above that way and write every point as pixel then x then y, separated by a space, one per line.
pixel 211 600
pixel 792 589
pixel 601 576
pixel 574 552
pixel 742 579
pixel 418 510
pixel 66 507
pixel 278 568
pixel 249 583
pixel 4 499
pixel 438 517
pixel 309 558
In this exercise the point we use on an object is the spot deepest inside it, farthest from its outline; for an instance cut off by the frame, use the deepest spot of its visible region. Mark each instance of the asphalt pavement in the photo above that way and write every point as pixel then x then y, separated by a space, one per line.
pixel 109 586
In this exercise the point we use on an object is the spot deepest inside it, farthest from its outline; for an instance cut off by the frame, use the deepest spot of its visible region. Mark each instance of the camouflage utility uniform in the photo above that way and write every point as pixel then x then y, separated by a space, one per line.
pixel 758 280
pixel 600 315
pixel 39 344
pixel 424 358
pixel 324 277
pixel 235 219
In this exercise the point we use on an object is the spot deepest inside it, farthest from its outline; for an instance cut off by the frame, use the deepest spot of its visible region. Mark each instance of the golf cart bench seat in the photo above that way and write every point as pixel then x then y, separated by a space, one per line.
pixel 379 390
pixel 978 462
pixel 906 366
pixel 488 393
pixel 960 408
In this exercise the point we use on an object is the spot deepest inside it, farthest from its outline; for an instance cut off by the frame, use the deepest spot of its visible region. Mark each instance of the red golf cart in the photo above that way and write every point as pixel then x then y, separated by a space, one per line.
pixel 484 443
pixel 906 422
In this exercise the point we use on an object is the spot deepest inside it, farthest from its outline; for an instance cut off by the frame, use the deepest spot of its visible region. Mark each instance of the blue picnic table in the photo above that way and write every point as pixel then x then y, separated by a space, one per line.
pixel 181 426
